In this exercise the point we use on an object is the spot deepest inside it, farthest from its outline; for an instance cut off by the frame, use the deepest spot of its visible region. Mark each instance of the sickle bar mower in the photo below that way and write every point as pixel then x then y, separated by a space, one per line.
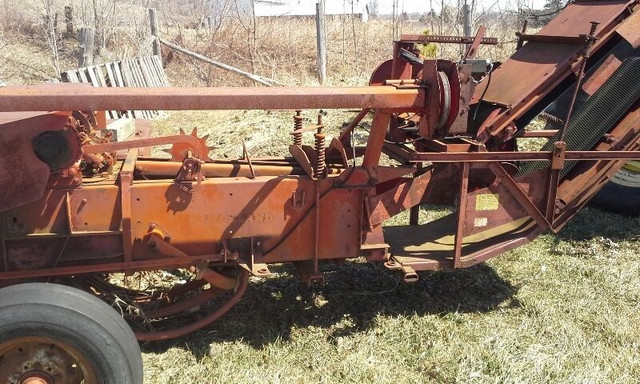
pixel 74 212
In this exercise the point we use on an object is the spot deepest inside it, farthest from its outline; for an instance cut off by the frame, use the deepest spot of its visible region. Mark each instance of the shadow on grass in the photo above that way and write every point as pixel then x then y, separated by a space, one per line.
pixel 591 222
pixel 272 307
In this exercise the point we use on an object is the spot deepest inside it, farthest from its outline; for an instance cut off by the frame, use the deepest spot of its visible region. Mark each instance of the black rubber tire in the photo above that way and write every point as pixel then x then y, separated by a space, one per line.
pixel 78 319
pixel 621 194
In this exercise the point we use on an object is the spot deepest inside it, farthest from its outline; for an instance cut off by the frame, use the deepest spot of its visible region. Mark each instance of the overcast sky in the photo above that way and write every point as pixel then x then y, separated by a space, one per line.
pixel 386 6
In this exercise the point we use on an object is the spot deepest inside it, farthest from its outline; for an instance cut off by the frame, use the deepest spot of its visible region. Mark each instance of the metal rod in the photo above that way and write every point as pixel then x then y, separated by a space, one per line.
pixel 376 139
pixel 590 39
pixel 346 132
pixel 168 169
pixel 487 157
pixel 76 97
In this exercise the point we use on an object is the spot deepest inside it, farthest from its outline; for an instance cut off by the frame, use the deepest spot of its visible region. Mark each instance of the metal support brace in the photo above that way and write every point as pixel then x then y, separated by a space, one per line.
pixel 557 163
pixel 126 179
pixel 462 211
pixel 520 195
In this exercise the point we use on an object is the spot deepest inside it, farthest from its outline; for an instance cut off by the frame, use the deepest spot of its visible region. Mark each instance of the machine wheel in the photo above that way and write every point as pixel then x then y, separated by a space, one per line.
pixel 52 333
pixel 622 193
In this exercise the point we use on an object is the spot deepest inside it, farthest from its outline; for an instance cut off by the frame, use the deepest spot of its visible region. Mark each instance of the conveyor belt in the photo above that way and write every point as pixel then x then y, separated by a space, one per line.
pixel 598 114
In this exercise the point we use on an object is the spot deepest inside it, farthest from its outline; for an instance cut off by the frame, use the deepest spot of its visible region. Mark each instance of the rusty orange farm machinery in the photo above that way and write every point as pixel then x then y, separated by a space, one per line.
pixel 80 214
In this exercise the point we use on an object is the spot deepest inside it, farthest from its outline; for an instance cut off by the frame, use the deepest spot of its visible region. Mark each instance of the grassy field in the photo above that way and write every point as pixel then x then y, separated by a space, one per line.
pixel 562 309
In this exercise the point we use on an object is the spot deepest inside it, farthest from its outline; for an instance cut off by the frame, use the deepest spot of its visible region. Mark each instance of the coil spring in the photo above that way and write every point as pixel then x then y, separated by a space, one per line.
pixel 320 155
pixel 297 125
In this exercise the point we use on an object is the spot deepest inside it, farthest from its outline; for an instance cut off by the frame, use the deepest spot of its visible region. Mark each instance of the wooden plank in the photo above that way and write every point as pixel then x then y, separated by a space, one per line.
pixel 122 129
pixel 141 80
pixel 111 80
pixel 73 76
pixel 157 71
pixel 100 75
pixel 155 64
pixel 117 81
pixel 146 76
pixel 124 76
pixel 135 77
pixel 103 83
pixel 138 73
pixel 127 81
pixel 153 73
pixel 226 67
pixel 145 69
pixel 82 75
pixel 163 74
pixel 133 82
pixel 117 72
pixel 92 77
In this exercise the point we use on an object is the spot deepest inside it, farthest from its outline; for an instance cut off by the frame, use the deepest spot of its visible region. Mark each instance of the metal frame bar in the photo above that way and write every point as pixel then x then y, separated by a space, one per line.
pixel 462 211
pixel 488 157
pixel 72 97
pixel 126 179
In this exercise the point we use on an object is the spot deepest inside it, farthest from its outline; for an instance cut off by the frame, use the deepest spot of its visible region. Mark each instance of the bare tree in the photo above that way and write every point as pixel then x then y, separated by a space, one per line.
pixel 48 26
pixel 374 7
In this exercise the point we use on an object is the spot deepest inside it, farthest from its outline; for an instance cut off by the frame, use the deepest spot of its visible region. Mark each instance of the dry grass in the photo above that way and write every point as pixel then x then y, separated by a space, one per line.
pixel 285 50
pixel 279 48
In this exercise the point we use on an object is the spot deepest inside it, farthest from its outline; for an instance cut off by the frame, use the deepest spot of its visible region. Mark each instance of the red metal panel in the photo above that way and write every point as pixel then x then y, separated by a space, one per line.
pixel 22 175
pixel 536 65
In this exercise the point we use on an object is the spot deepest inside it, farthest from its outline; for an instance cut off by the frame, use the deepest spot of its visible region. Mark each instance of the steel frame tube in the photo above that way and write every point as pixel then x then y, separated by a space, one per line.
pixel 72 97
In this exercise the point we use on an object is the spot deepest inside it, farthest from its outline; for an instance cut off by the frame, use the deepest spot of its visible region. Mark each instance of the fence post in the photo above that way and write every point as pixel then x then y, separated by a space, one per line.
pixel 466 17
pixel 85 56
pixel 466 20
pixel 153 19
pixel 321 38
pixel 68 19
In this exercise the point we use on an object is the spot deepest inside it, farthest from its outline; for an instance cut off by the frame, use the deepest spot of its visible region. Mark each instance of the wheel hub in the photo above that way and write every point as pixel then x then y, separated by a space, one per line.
pixel 37 378
pixel 41 360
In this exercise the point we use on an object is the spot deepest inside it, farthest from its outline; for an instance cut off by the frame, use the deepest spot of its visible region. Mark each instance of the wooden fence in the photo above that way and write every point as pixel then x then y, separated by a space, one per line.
pixel 143 71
